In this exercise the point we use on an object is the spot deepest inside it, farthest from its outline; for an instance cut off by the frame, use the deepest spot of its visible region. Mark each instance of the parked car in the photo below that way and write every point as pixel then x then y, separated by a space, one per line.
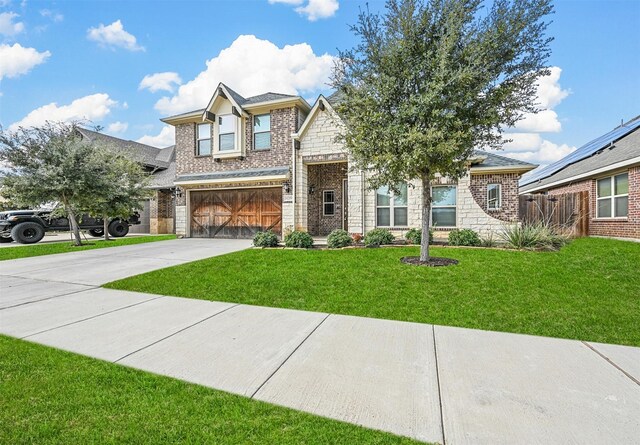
pixel 29 226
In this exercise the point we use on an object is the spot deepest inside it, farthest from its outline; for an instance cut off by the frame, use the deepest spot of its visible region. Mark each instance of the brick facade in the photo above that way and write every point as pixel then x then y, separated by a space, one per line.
pixel 508 211
pixel 162 212
pixel 325 177
pixel 628 227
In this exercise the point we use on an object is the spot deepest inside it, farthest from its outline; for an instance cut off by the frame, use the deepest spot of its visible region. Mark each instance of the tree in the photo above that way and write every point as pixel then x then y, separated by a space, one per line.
pixel 430 81
pixel 122 187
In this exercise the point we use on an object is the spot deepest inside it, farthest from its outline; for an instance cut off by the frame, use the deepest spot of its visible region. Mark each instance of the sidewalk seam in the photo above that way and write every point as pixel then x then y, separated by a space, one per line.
pixel 435 354
pixel 611 362
pixel 175 333
pixel 288 357
pixel 90 318
pixel 50 298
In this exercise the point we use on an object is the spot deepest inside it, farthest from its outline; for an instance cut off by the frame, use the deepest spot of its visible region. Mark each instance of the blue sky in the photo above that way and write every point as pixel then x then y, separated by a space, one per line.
pixel 73 59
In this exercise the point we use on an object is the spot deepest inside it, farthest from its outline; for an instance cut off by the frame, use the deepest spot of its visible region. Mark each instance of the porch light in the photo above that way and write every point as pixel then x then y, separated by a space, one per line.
pixel 177 192
pixel 312 189
pixel 286 186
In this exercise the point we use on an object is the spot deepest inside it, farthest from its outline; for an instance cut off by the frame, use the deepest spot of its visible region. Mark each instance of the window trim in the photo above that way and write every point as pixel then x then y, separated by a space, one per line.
pixel 324 202
pixel 392 206
pixel 210 138
pixel 499 206
pixel 234 133
pixel 454 207
pixel 612 197
pixel 253 121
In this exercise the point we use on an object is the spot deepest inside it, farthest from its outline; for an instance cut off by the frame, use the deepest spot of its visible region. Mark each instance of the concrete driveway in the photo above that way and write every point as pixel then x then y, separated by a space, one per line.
pixel 433 383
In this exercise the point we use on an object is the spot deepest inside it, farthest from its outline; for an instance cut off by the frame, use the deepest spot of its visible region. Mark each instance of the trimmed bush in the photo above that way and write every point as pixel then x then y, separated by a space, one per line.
pixel 339 238
pixel 464 237
pixel 298 239
pixel 378 237
pixel 265 239
pixel 414 236
pixel 538 236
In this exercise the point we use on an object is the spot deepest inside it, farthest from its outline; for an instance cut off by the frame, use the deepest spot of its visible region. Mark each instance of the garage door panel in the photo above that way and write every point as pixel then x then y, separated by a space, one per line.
pixel 235 213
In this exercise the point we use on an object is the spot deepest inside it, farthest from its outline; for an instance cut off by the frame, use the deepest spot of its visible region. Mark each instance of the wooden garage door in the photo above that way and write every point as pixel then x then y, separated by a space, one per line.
pixel 235 213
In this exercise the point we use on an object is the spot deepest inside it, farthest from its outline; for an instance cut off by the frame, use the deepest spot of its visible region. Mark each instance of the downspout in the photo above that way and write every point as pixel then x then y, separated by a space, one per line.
pixel 294 137
pixel 362 212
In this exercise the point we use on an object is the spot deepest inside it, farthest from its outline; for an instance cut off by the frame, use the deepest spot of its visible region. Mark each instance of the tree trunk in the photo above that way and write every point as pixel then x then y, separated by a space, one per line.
pixel 426 217
pixel 105 224
pixel 74 228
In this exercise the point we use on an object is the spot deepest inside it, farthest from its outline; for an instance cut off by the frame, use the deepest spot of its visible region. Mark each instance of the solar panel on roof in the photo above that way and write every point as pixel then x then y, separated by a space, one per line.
pixel 583 152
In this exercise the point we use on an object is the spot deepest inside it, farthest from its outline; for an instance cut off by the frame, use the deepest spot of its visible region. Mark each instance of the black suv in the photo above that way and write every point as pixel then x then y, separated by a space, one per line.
pixel 29 226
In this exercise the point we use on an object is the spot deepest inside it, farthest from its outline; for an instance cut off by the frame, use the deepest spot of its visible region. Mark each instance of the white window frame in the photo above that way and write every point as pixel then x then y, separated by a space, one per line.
pixel 234 133
pixel 261 132
pixel 455 206
pixel 612 197
pixel 198 139
pixel 392 206
pixel 499 199
pixel 325 202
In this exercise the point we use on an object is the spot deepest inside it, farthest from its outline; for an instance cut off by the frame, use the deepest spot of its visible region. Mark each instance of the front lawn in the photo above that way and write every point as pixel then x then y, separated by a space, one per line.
pixel 48 396
pixel 13 252
pixel 589 290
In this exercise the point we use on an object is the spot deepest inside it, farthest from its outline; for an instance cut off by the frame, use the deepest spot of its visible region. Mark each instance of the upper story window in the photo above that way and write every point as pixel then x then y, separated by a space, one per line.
pixel 227 133
pixel 391 209
pixel 203 145
pixel 262 132
pixel 494 196
pixel 613 196
pixel 443 206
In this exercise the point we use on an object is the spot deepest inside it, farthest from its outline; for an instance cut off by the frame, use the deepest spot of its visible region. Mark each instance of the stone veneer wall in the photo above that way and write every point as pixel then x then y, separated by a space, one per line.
pixel 620 227
pixel 509 211
pixel 161 210
pixel 325 177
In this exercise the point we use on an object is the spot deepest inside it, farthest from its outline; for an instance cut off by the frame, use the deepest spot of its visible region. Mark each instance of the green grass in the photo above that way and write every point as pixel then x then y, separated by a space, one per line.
pixel 589 290
pixel 12 253
pixel 48 396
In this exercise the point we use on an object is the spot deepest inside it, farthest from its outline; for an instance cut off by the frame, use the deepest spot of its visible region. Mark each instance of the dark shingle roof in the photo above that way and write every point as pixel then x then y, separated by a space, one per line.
pixel 335 98
pixel 494 160
pixel 266 97
pixel 232 174
pixel 145 154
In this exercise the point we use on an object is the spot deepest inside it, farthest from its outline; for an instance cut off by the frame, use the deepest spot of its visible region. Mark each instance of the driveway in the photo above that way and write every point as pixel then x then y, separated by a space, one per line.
pixel 433 383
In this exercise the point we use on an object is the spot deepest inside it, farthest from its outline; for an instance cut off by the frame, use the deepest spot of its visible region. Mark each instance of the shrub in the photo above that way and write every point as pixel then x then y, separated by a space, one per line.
pixel 414 236
pixel 265 239
pixel 339 238
pixel 378 237
pixel 488 241
pixel 464 237
pixel 298 239
pixel 537 236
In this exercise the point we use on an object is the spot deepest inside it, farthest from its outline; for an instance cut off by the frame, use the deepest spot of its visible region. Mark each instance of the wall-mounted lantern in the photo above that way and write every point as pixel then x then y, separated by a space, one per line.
pixel 286 186
pixel 312 188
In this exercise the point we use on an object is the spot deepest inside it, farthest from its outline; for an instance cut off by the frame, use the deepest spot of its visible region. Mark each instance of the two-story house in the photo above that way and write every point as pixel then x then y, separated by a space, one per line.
pixel 272 162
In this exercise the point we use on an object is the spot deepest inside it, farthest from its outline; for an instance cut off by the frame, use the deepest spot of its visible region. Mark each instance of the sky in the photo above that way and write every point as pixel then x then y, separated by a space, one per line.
pixel 125 64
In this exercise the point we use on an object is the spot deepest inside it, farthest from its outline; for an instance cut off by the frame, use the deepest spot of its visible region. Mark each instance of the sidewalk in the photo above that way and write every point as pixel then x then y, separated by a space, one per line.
pixel 433 383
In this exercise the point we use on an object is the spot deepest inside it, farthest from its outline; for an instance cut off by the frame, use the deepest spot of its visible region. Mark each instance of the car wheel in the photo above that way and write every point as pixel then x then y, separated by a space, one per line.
pixel 96 232
pixel 27 233
pixel 118 228
pixel 6 239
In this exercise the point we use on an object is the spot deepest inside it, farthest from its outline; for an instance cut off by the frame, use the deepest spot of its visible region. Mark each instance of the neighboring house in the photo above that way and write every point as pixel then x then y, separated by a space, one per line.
pixel 271 162
pixel 157 216
pixel 608 168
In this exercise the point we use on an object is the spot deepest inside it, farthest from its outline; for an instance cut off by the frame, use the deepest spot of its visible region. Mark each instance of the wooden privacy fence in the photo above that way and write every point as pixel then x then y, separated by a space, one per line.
pixel 569 211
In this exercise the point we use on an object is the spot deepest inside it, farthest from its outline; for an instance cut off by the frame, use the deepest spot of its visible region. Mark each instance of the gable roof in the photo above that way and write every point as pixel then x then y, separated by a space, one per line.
pixel 490 161
pixel 616 146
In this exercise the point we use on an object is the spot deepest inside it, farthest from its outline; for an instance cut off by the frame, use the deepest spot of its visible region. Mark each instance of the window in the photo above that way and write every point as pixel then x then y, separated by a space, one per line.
pixel 391 209
pixel 443 207
pixel 227 132
pixel 494 196
pixel 262 132
pixel 203 146
pixel 328 203
pixel 613 196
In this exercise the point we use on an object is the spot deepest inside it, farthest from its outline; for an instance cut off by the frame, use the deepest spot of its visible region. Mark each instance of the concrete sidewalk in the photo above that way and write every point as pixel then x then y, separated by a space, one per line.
pixel 432 383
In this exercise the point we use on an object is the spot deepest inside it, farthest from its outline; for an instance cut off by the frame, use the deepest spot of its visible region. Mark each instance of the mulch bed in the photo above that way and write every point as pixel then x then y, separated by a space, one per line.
pixel 431 262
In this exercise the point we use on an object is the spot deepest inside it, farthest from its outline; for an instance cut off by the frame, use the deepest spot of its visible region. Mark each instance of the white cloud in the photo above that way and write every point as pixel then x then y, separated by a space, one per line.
pixel 7 26
pixel 291 69
pixel 117 127
pixel 549 91
pixel 17 59
pixel 114 36
pixel 545 121
pixel 160 82
pixel 165 138
pixel 55 16
pixel 92 108
pixel 318 9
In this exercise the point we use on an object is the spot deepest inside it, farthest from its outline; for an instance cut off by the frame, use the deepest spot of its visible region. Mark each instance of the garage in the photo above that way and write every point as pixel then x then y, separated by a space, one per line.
pixel 235 213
